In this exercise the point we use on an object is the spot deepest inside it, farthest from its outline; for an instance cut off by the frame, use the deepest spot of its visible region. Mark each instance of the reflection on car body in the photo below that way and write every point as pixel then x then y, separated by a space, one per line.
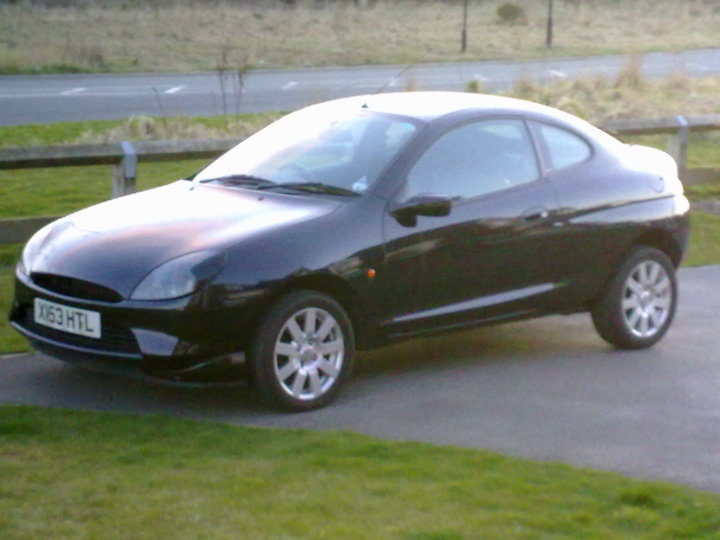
pixel 355 222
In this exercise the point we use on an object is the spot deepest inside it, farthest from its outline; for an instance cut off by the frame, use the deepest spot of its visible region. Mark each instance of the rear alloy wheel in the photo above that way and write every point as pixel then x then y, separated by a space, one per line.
pixel 638 305
pixel 303 352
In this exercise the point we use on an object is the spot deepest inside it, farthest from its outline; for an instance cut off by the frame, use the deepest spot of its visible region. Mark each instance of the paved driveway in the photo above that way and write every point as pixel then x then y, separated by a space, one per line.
pixel 548 389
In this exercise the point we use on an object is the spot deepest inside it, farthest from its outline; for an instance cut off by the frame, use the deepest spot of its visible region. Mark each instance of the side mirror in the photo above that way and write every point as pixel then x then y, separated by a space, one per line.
pixel 421 205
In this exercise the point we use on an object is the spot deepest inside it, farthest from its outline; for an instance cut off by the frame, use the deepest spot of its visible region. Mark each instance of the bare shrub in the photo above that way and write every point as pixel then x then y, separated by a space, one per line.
pixel 476 87
pixel 630 75
pixel 510 13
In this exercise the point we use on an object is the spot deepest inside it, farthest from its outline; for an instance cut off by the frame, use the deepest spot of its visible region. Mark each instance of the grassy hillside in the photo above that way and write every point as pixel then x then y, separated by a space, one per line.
pixel 184 35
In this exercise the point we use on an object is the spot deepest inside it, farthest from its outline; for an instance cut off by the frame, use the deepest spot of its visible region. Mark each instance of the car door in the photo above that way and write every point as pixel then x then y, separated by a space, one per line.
pixel 492 256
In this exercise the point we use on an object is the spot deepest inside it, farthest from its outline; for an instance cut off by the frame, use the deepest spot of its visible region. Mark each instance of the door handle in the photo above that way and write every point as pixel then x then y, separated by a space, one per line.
pixel 535 214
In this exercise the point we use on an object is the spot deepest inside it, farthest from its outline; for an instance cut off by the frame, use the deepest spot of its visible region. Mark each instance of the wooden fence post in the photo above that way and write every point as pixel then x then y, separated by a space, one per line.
pixel 677 143
pixel 125 173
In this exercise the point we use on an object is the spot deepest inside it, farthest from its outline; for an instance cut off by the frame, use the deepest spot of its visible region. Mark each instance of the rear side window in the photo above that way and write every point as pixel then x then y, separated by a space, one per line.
pixel 565 148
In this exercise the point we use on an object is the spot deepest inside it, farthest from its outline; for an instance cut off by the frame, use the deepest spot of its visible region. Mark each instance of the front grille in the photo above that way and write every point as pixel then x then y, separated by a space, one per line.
pixel 114 338
pixel 75 288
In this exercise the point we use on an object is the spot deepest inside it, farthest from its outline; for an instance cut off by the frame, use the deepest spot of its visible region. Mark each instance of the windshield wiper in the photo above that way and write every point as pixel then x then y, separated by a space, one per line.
pixel 246 180
pixel 313 187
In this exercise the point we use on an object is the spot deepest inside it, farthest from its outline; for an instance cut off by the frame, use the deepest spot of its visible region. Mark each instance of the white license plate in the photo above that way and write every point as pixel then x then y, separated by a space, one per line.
pixel 81 322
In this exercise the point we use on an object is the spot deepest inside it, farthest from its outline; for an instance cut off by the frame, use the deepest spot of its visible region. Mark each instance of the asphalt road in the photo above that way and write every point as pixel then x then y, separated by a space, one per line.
pixel 547 389
pixel 55 98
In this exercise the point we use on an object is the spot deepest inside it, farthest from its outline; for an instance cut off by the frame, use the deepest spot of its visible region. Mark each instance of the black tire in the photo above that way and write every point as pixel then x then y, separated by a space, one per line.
pixel 303 351
pixel 638 305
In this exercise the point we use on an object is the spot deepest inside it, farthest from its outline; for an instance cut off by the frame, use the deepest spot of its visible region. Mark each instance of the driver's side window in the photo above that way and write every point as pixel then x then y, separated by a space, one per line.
pixel 476 159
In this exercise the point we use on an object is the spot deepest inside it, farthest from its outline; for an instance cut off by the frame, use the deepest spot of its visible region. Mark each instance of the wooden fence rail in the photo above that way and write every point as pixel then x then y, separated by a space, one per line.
pixel 677 128
pixel 122 156
pixel 125 156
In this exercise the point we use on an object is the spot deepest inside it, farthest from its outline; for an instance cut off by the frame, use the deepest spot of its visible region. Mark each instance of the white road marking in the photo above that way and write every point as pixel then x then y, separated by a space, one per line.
pixel 73 91
pixel 289 86
pixel 14 355
pixel 479 77
pixel 88 93
pixel 556 73
pixel 175 89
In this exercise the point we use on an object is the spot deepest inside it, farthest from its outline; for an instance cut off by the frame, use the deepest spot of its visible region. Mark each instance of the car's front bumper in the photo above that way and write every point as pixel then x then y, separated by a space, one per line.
pixel 188 338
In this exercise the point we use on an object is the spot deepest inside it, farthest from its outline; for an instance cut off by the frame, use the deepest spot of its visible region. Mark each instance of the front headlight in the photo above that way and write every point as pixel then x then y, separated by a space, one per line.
pixel 32 249
pixel 20 268
pixel 179 277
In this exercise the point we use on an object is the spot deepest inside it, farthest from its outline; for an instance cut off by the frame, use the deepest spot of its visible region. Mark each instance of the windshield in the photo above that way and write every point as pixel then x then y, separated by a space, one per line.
pixel 318 145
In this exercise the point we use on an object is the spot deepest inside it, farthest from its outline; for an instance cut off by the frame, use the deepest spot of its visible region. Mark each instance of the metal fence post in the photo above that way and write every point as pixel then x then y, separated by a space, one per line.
pixel 125 173
pixel 677 144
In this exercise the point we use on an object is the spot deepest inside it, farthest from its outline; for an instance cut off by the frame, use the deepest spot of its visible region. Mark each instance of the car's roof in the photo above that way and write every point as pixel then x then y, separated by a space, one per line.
pixel 428 106
pixel 431 105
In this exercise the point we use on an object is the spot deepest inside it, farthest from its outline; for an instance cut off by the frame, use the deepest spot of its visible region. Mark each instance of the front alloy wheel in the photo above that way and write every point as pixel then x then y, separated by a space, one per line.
pixel 636 309
pixel 303 351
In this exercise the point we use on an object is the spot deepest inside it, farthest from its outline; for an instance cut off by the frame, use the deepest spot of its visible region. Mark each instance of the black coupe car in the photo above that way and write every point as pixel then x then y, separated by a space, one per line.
pixel 355 222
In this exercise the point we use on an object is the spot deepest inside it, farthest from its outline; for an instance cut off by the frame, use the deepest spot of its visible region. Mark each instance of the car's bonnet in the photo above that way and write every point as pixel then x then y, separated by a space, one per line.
pixel 118 242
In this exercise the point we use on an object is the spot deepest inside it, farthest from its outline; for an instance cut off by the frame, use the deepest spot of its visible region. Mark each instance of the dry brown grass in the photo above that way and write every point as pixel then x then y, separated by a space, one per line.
pixel 181 36
pixel 148 128
pixel 629 95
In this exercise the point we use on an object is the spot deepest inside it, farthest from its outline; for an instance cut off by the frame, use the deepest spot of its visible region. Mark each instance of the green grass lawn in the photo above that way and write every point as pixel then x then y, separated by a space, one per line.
pixel 704 240
pixel 70 474
pixel 60 191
